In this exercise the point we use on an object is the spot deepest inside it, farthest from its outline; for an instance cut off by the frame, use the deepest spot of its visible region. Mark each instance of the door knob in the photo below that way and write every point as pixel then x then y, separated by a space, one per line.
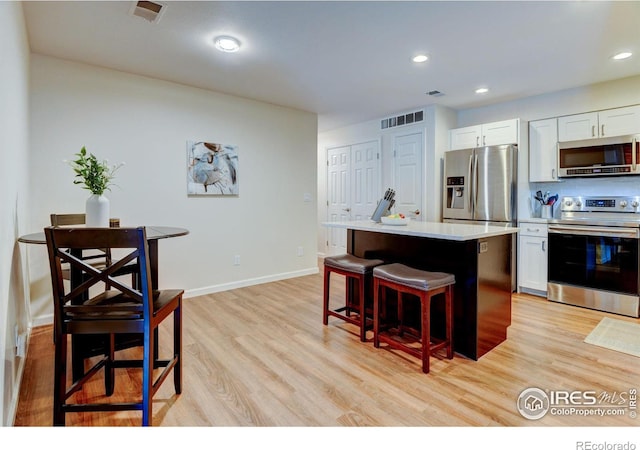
pixel 417 212
pixel 347 209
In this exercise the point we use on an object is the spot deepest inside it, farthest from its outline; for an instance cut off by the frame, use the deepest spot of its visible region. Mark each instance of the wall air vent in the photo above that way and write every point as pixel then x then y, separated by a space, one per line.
pixel 435 93
pixel 404 119
pixel 149 11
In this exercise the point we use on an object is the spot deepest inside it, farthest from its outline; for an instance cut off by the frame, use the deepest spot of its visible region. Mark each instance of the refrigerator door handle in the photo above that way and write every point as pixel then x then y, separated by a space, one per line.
pixel 470 194
pixel 474 184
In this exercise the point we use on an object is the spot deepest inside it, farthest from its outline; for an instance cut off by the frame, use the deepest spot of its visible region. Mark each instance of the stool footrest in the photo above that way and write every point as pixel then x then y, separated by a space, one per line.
pixel 355 319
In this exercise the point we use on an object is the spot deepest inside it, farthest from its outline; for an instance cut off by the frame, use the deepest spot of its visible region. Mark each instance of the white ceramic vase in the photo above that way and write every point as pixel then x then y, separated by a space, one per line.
pixel 97 211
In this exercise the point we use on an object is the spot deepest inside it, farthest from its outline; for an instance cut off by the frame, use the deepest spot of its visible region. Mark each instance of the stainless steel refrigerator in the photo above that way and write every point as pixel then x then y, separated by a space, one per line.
pixel 480 185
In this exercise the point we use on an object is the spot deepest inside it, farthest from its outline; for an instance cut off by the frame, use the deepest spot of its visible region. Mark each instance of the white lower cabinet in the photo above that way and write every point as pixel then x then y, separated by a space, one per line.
pixel 532 257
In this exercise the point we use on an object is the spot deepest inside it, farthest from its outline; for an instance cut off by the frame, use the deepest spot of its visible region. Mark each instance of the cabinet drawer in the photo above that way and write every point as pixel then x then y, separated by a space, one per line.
pixel 533 229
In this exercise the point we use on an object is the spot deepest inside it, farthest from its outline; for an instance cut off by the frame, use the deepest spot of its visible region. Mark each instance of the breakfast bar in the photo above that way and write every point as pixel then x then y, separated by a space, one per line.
pixel 480 256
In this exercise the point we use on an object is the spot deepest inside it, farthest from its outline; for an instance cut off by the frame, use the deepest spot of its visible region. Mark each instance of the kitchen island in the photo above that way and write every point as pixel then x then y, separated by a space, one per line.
pixel 480 257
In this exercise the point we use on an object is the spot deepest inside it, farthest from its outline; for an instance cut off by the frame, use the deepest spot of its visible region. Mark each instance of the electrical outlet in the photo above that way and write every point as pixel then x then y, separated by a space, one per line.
pixel 300 251
pixel 236 260
pixel 21 342
pixel 21 346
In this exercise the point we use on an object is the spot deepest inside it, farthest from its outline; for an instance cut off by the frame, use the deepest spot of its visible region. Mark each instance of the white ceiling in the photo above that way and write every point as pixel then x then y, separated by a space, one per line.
pixel 351 61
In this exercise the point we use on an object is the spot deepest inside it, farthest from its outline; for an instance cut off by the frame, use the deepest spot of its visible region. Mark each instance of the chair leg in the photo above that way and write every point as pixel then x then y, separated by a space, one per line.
pixel 109 371
pixel 400 314
pixel 147 378
pixel 59 379
pixel 363 313
pixel 376 312
pixel 325 303
pixel 177 348
pixel 449 320
pixel 426 331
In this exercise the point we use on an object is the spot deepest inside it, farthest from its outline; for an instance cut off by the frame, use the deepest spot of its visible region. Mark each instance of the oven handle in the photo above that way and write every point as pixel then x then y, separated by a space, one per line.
pixel 632 233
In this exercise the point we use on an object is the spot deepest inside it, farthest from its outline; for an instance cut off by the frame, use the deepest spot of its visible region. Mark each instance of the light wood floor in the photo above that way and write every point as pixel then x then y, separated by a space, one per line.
pixel 260 356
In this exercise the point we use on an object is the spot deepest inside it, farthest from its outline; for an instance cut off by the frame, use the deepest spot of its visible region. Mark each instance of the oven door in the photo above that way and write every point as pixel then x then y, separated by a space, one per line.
pixel 594 266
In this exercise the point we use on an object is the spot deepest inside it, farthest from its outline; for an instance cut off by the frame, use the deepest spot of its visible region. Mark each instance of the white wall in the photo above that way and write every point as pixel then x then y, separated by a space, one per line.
pixel 14 77
pixel 146 123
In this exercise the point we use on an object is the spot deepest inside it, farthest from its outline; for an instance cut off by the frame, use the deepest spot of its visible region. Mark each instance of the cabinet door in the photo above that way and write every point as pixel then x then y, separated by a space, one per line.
pixel 499 133
pixel 619 121
pixel 543 150
pixel 578 127
pixel 532 273
pixel 467 137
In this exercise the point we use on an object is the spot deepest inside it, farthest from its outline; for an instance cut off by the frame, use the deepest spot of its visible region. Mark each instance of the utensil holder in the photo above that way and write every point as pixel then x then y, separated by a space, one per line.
pixel 546 211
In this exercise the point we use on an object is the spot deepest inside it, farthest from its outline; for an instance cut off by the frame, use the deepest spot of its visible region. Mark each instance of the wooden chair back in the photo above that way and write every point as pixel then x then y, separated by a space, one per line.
pixel 120 303
pixel 61 220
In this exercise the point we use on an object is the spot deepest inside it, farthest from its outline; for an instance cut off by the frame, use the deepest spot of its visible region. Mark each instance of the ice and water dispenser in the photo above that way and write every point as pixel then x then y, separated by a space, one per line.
pixel 455 193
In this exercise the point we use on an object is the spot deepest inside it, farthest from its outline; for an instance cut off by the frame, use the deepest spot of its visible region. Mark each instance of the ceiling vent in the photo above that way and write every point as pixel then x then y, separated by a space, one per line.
pixel 404 119
pixel 435 93
pixel 149 11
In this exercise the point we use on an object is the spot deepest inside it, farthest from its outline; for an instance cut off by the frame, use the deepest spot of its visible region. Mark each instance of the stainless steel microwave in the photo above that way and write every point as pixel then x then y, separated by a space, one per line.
pixel 618 155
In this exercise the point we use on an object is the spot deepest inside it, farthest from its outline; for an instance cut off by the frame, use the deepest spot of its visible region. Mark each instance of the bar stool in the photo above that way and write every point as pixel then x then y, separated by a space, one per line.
pixel 354 269
pixel 425 285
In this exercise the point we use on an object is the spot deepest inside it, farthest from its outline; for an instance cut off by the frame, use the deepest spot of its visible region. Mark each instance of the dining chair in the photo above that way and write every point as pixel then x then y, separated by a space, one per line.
pixel 123 309
pixel 100 257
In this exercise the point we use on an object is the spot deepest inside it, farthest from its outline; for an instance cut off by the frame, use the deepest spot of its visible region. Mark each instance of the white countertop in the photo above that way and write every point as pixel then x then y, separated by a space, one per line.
pixel 436 230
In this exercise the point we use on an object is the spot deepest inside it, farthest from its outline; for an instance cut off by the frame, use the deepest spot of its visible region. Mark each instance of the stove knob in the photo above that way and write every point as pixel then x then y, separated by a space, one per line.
pixel 623 204
pixel 635 204
pixel 568 202
pixel 578 203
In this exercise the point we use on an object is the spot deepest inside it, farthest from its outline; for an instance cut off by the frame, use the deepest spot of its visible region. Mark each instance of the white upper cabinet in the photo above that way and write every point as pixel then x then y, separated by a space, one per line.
pixel 577 127
pixel 498 133
pixel 619 121
pixel 543 150
pixel 610 122
pixel 494 133
pixel 467 137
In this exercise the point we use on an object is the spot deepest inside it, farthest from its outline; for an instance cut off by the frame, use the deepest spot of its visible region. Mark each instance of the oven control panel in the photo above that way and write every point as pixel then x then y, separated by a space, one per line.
pixel 601 204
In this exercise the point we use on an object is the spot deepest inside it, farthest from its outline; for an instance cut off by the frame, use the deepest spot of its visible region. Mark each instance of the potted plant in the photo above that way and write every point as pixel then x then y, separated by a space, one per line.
pixel 97 177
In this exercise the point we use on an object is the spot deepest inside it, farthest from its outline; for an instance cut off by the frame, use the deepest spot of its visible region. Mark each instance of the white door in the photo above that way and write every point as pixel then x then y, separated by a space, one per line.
pixel 407 175
pixel 364 179
pixel 353 188
pixel 338 196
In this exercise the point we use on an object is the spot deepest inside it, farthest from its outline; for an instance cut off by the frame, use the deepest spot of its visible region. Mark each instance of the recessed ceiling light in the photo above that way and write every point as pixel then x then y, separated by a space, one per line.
pixel 227 44
pixel 482 90
pixel 622 55
pixel 420 58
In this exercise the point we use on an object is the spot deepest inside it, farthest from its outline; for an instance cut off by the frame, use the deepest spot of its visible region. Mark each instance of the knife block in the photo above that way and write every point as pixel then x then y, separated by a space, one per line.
pixel 381 210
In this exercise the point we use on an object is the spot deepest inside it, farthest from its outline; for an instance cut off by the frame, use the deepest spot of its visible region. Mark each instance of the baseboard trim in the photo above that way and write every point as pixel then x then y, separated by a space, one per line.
pixel 249 282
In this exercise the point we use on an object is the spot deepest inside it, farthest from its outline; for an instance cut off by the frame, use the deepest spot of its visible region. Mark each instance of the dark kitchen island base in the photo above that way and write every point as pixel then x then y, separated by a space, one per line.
pixel 482 267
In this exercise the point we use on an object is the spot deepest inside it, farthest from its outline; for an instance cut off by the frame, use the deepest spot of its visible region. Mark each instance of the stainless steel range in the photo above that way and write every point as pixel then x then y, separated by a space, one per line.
pixel 593 254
